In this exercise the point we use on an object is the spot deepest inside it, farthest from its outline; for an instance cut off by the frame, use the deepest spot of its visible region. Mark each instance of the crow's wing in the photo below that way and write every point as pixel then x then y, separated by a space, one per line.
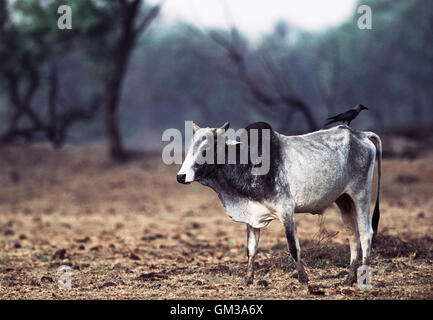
pixel 345 116
pixel 348 115
pixel 334 117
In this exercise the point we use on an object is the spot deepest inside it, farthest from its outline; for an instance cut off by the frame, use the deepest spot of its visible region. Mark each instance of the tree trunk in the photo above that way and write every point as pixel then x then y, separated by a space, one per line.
pixel 122 55
pixel 114 85
pixel 115 147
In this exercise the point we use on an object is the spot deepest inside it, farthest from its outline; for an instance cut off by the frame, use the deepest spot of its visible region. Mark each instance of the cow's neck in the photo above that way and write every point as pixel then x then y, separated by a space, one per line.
pixel 237 181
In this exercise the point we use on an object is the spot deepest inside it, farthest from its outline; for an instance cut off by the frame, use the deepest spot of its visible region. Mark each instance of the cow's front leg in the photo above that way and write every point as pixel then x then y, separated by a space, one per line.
pixel 253 235
pixel 288 220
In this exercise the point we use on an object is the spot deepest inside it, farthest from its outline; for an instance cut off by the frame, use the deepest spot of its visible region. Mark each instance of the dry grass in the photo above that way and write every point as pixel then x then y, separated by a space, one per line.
pixel 132 232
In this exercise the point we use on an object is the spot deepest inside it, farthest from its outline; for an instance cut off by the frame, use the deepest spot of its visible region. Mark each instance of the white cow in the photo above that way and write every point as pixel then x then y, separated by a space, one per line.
pixel 307 174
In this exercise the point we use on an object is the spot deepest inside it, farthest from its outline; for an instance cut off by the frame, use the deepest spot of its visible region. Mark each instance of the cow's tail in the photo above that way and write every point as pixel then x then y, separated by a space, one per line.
pixel 376 213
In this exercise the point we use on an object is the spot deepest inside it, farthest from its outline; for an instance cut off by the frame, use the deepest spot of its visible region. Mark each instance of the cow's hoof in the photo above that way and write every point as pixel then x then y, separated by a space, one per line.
pixel 302 277
pixel 248 281
pixel 350 280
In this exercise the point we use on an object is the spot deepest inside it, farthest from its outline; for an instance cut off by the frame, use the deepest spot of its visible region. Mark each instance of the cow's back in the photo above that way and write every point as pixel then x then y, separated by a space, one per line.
pixel 322 164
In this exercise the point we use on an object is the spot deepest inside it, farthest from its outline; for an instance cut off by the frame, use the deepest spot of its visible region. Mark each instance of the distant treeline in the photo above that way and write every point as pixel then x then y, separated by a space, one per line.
pixel 291 78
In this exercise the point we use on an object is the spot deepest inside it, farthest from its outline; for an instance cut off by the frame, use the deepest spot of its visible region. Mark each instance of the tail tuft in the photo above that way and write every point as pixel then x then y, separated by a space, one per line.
pixel 376 217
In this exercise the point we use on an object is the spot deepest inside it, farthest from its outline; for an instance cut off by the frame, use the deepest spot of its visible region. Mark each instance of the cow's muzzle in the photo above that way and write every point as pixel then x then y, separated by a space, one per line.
pixel 181 178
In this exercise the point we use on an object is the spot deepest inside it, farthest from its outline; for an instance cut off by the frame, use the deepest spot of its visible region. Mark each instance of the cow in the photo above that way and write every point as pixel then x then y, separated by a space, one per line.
pixel 307 174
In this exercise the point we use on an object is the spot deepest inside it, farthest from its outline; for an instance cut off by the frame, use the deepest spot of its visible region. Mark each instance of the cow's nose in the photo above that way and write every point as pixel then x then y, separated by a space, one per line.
pixel 181 178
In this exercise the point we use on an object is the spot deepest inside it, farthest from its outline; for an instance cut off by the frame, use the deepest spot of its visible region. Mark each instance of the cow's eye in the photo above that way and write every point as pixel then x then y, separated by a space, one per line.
pixel 204 153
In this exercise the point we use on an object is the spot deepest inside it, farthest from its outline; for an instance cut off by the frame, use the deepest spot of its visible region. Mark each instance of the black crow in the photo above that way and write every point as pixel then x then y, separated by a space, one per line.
pixel 347 116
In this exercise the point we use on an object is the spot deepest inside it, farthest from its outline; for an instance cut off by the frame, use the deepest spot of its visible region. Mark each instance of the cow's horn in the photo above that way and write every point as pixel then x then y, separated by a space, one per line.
pixel 195 127
pixel 223 129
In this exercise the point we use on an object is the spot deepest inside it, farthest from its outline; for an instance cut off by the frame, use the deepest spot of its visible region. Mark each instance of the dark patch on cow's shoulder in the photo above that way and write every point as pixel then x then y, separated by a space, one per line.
pixel 237 179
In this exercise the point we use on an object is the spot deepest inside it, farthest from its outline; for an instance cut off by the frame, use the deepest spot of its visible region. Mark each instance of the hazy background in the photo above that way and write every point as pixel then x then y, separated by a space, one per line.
pixel 120 78
pixel 82 112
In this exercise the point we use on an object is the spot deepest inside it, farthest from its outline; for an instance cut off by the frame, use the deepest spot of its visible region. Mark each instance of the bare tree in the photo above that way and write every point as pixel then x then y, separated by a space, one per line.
pixel 55 125
pixel 21 75
pixel 130 31
pixel 285 94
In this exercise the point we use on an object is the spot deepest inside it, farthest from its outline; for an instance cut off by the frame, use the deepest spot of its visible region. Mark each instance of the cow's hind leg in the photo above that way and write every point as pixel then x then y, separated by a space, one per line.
pixel 362 205
pixel 361 201
pixel 287 216
pixel 348 215
pixel 253 235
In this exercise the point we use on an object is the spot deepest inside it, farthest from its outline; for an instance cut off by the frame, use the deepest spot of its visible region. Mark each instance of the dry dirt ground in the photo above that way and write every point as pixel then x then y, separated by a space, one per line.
pixel 132 232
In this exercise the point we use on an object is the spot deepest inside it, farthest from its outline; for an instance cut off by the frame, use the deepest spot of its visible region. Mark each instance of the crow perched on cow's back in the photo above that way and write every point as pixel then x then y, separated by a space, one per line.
pixel 347 116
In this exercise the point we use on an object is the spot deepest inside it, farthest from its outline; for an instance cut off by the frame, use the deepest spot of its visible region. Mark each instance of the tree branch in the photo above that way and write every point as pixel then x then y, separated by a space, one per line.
pixel 147 20
pixel 289 100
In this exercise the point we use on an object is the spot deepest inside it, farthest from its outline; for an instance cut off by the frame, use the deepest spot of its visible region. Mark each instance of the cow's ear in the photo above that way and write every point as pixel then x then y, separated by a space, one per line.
pixel 195 127
pixel 223 129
